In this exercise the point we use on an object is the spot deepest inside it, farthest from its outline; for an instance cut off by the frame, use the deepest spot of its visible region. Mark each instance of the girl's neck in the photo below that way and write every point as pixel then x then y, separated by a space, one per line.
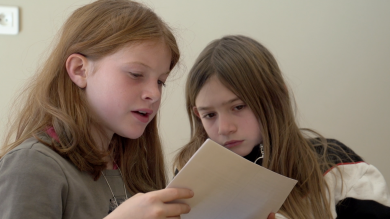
pixel 102 143
pixel 110 165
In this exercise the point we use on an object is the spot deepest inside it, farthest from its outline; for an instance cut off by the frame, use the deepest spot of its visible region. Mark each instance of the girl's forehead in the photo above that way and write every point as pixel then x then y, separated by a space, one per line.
pixel 214 92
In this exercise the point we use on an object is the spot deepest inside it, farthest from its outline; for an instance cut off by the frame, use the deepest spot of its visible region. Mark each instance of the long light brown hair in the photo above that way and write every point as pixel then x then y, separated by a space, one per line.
pixel 51 99
pixel 251 72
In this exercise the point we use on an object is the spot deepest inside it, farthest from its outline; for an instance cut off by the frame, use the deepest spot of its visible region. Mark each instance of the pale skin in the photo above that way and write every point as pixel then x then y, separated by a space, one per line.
pixel 130 79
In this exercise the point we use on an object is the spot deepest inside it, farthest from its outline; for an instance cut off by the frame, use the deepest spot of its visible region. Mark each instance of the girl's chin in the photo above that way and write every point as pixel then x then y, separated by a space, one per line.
pixel 132 135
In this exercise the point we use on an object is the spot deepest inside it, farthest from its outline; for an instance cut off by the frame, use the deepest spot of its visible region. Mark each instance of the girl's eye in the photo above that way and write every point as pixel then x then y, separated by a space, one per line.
pixel 135 75
pixel 209 115
pixel 239 107
pixel 161 83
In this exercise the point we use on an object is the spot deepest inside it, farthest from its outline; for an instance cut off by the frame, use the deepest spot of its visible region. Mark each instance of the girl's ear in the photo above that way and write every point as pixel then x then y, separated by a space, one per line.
pixel 195 111
pixel 76 66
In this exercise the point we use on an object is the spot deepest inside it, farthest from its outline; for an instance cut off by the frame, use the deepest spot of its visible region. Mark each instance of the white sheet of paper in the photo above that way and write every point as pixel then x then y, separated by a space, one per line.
pixel 227 186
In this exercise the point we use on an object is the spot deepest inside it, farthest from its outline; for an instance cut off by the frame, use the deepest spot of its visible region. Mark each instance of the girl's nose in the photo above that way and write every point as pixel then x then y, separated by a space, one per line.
pixel 152 92
pixel 226 126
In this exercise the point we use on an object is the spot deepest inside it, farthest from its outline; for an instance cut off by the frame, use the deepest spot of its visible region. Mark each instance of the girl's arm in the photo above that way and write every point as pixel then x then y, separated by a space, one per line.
pixel 361 192
pixel 366 197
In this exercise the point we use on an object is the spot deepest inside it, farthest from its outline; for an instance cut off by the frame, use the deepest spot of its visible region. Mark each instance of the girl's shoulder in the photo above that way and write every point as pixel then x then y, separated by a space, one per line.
pixel 34 175
pixel 336 152
pixel 357 189
pixel 32 144
pixel 33 155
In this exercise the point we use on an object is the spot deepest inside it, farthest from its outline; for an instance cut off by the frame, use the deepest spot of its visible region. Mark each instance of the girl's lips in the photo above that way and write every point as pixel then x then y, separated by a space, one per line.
pixel 141 117
pixel 142 114
pixel 144 110
pixel 232 143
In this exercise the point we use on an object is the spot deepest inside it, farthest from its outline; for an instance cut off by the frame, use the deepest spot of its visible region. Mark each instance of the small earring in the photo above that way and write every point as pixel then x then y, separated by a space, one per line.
pixel 262 153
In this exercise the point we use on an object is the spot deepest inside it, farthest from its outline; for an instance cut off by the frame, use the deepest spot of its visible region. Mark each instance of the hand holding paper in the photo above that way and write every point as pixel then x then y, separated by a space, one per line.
pixel 227 186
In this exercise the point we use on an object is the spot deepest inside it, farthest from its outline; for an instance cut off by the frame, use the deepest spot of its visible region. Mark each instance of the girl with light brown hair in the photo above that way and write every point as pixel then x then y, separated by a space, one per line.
pixel 236 96
pixel 84 137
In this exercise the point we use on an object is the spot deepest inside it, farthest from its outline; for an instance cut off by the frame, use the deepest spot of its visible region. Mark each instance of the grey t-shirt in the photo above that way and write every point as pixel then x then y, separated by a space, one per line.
pixel 36 182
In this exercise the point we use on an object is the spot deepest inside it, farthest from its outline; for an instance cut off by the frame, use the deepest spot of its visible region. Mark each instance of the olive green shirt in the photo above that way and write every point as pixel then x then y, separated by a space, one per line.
pixel 36 182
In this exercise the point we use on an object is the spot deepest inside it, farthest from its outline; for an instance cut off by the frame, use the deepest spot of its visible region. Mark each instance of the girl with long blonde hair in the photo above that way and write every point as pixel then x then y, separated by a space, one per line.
pixel 84 137
pixel 236 96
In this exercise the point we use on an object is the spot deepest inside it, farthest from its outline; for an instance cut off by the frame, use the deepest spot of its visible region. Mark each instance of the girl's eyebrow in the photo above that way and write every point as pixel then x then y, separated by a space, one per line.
pixel 146 66
pixel 203 108
pixel 137 63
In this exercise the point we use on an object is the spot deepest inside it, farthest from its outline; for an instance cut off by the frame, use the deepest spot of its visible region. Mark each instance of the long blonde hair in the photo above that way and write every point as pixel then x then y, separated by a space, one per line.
pixel 250 71
pixel 51 99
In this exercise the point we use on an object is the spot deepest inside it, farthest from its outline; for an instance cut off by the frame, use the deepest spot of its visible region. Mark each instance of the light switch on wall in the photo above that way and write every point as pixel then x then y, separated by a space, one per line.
pixel 9 20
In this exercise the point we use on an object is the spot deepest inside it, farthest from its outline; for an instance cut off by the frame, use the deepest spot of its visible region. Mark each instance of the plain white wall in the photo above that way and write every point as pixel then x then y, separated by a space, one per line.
pixel 335 56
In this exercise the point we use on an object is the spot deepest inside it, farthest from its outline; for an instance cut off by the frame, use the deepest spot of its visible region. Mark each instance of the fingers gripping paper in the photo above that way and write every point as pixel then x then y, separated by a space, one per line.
pixel 227 186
